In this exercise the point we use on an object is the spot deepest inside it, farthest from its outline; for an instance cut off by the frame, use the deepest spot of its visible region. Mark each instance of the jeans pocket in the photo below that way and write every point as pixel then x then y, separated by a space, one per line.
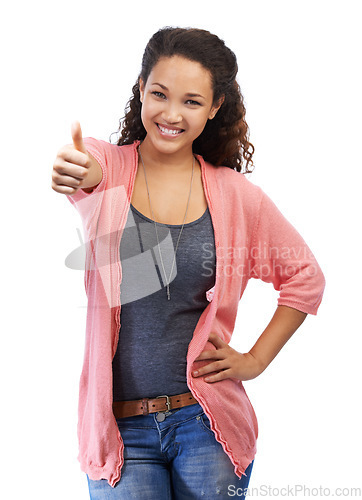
pixel 204 423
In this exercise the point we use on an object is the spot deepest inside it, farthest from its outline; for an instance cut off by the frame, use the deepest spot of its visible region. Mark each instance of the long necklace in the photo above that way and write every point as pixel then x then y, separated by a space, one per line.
pixel 159 249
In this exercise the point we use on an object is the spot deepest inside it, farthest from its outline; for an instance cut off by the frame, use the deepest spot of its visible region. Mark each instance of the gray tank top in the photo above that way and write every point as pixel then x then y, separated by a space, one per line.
pixel 155 332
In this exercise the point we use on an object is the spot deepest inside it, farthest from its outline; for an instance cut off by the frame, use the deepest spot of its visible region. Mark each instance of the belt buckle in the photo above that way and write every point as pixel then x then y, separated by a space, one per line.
pixel 168 402
pixel 161 415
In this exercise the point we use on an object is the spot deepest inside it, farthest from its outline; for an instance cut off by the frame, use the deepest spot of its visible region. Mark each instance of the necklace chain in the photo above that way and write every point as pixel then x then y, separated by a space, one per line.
pixel 158 242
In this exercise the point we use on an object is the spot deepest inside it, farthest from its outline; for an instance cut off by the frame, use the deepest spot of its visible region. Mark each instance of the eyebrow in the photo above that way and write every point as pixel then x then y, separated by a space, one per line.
pixel 189 94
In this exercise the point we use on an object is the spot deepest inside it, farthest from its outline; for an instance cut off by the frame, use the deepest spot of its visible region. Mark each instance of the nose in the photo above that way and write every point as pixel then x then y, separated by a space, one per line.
pixel 172 113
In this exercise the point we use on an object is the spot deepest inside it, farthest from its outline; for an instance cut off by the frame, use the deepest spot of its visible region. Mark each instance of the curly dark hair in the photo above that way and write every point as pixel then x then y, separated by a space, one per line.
pixel 224 140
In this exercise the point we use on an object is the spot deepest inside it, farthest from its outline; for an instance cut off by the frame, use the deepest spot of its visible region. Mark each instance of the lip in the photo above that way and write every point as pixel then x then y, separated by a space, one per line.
pixel 164 134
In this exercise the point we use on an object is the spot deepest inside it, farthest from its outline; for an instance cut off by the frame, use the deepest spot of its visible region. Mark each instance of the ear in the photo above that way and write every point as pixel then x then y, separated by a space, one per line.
pixel 142 88
pixel 216 108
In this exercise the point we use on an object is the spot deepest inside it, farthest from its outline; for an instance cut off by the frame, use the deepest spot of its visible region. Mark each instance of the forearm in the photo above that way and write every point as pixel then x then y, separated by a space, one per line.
pixel 283 324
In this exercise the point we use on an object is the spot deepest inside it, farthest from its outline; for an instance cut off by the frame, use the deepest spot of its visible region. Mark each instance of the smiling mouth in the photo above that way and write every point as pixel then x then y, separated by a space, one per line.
pixel 169 131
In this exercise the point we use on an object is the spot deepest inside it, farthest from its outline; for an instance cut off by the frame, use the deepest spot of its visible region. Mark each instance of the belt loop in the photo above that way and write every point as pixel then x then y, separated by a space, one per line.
pixel 145 406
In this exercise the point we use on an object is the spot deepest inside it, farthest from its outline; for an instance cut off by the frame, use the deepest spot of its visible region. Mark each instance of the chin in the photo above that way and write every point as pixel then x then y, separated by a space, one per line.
pixel 168 147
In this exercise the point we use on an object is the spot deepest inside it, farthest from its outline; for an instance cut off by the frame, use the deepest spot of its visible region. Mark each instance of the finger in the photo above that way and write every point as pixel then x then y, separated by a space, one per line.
pixel 77 168
pixel 77 137
pixel 216 340
pixel 211 367
pixel 224 374
pixel 67 180
pixel 208 355
pixel 63 189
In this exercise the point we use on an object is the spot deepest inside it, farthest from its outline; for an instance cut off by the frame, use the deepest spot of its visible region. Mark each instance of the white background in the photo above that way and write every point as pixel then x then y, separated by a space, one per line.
pixel 299 71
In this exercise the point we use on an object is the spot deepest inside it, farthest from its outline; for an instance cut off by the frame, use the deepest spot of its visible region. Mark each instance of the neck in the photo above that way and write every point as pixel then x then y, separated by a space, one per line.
pixel 166 163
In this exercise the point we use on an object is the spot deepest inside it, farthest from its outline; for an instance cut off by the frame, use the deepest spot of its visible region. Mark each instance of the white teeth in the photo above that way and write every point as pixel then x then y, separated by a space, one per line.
pixel 169 131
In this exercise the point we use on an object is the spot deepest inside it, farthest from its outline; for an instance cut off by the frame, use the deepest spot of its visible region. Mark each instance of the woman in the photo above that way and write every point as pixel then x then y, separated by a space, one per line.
pixel 174 232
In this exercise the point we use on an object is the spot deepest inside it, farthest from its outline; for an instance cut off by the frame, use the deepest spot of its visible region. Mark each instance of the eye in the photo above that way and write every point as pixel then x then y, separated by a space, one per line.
pixel 193 103
pixel 158 94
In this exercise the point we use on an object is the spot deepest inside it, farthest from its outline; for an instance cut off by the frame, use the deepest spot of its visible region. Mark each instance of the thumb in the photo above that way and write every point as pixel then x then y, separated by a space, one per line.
pixel 77 137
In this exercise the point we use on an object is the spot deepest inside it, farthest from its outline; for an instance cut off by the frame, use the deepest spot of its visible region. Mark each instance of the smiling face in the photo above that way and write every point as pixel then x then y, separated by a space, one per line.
pixel 177 101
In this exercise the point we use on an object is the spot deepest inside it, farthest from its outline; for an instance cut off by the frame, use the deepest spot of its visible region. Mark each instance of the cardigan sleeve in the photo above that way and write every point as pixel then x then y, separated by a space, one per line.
pixel 87 204
pixel 279 255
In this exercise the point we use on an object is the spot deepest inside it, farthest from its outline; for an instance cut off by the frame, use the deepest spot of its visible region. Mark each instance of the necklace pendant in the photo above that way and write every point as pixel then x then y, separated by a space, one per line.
pixel 168 293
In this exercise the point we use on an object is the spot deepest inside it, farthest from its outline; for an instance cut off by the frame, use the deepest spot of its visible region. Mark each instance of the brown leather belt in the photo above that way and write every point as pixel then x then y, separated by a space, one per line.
pixel 145 406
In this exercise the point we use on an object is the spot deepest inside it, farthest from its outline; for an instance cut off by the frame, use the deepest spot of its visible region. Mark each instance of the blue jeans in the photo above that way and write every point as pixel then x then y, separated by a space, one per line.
pixel 177 459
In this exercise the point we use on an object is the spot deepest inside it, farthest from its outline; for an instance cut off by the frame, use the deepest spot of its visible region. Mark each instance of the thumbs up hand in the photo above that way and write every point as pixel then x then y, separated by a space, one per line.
pixel 71 165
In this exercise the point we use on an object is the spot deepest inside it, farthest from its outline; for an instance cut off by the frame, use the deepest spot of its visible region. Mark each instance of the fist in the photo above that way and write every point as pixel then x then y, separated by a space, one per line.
pixel 71 164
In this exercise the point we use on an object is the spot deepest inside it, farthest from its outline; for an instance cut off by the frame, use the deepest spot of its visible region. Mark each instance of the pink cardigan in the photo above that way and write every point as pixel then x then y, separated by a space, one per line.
pixel 253 240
